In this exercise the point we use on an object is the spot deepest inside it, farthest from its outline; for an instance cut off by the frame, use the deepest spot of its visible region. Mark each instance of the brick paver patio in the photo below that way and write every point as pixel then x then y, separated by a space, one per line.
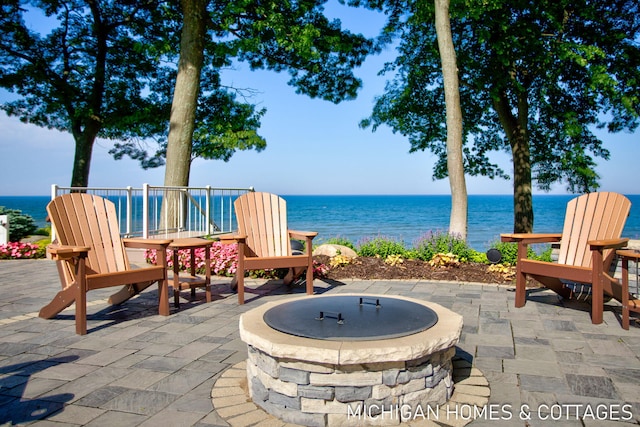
pixel 543 362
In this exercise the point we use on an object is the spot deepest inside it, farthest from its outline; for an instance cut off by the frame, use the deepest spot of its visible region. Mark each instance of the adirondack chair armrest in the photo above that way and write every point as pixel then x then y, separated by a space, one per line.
pixel 63 252
pixel 303 235
pixel 595 245
pixel 158 244
pixel 531 238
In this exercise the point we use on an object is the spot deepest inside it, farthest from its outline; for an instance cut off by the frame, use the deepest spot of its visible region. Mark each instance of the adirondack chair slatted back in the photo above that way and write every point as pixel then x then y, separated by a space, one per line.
pixel 593 216
pixel 262 217
pixel 87 220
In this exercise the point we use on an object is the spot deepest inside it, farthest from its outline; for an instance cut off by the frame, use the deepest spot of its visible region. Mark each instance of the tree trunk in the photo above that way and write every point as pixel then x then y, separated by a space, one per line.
pixel 82 159
pixel 522 186
pixel 516 129
pixel 85 133
pixel 185 95
pixel 183 109
pixel 455 161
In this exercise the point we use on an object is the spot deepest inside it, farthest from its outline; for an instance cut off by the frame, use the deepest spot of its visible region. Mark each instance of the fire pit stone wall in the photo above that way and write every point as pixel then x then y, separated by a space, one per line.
pixel 321 395
pixel 304 381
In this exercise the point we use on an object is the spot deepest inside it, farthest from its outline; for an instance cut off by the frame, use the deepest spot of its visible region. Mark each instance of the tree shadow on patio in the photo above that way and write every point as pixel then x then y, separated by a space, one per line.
pixel 15 408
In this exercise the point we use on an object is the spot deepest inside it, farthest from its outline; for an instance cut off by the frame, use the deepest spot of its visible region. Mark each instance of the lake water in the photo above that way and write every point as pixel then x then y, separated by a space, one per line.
pixel 404 218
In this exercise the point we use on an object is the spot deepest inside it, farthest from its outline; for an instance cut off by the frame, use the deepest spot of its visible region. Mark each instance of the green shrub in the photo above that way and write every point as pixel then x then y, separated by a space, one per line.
pixel 433 243
pixel 45 231
pixel 479 257
pixel 509 251
pixel 380 246
pixel 20 225
pixel 42 247
pixel 545 253
pixel 411 254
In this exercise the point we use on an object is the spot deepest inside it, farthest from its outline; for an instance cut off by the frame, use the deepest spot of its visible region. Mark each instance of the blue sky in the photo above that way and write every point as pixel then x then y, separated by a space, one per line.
pixel 313 146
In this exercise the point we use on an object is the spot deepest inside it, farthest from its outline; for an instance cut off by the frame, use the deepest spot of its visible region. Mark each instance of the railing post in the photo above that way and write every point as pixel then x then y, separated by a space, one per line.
pixel 182 213
pixel 54 193
pixel 145 210
pixel 4 229
pixel 230 211
pixel 207 210
pixel 129 209
pixel 222 218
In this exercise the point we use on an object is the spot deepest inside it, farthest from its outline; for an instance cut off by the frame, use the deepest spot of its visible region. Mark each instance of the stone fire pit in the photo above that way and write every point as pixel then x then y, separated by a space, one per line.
pixel 347 381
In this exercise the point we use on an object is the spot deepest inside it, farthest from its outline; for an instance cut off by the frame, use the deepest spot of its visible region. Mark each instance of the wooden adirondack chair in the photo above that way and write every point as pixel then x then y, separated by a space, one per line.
pixel 91 255
pixel 592 231
pixel 264 241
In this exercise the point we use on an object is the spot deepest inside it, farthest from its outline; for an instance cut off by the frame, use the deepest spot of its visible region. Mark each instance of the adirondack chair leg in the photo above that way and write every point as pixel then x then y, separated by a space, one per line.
pixel 293 274
pixel 521 277
pixel 625 293
pixel 176 279
pixel 597 297
pixel 163 297
pixel 309 281
pixel 289 277
pixel 176 297
pixel 163 287
pixel 240 286
pixel 240 272
pixel 308 245
pixel 81 297
pixel 127 292
pixel 62 300
pixel 207 273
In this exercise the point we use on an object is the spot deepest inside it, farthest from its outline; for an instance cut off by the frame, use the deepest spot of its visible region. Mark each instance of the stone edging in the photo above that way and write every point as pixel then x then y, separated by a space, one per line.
pixel 230 399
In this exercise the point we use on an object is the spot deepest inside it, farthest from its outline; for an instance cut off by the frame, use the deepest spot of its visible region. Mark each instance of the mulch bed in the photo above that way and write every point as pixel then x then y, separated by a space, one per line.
pixel 369 268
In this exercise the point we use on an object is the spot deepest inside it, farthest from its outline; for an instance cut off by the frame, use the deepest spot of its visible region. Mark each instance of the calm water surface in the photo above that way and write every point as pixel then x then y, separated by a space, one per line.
pixel 404 218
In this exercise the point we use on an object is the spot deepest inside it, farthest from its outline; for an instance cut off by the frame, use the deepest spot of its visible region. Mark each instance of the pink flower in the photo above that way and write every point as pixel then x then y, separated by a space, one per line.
pixel 223 259
pixel 18 250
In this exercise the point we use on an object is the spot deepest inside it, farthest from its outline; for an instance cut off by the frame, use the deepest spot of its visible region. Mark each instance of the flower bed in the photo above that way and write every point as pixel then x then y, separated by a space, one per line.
pixel 224 259
pixel 19 250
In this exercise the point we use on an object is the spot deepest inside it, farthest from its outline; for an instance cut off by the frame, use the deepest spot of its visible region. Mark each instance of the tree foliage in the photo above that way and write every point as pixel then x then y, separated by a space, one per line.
pixel 536 79
pixel 96 73
pixel 107 68
pixel 282 36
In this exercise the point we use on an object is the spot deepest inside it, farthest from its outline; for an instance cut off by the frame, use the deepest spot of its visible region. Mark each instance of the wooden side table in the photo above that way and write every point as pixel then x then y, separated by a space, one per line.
pixel 627 304
pixel 191 280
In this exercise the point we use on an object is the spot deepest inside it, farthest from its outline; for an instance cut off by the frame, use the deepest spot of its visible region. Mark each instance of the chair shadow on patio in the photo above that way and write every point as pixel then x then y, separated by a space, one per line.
pixel 258 288
pixel 144 305
pixel 545 296
pixel 15 407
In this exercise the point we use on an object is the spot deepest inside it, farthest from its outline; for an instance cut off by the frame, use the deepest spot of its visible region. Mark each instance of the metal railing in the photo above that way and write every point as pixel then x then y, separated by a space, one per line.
pixel 160 211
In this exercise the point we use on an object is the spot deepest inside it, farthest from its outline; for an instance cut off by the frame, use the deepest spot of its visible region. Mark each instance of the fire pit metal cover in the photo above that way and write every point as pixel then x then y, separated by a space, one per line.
pixel 350 317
